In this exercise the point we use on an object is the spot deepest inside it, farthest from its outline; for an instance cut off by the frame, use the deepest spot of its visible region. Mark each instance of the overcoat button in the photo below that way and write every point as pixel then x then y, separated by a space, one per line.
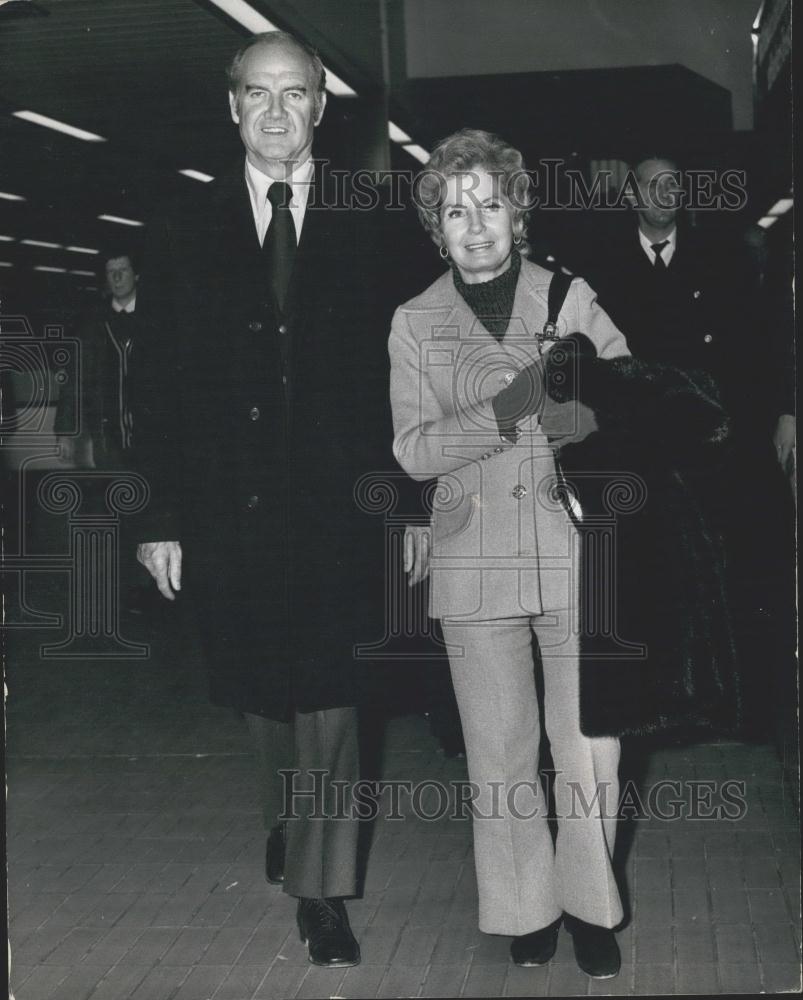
pixel 498 451
pixel 253 413
pixel 282 328
pixel 253 503
pixel 509 376
pixel 254 326
pixel 519 491
pixel 708 338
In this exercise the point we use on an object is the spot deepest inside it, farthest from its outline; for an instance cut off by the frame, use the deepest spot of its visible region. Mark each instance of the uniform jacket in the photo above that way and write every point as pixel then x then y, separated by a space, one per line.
pixel 255 430
pixel 700 314
pixel 500 541
pixel 106 363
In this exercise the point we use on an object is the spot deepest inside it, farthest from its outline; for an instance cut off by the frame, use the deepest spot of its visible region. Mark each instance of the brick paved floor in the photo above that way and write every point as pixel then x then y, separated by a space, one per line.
pixel 136 860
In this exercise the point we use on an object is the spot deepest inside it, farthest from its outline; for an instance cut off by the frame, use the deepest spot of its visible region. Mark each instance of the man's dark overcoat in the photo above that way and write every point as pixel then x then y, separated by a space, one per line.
pixel 254 431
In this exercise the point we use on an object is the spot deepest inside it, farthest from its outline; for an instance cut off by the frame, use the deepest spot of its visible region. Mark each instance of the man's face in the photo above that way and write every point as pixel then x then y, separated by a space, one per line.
pixel 120 278
pixel 275 106
pixel 660 192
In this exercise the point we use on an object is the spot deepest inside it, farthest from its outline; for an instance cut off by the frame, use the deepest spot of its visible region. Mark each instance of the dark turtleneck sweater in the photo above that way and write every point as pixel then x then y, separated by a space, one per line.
pixel 492 301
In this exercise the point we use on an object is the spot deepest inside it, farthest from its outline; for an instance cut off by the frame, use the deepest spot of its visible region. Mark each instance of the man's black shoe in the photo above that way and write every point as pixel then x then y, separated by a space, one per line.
pixel 595 948
pixel 274 855
pixel 537 947
pixel 324 926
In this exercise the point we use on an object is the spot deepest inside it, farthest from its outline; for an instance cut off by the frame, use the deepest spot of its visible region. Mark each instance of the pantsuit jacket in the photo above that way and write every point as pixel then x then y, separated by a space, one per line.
pixel 254 430
pixel 501 539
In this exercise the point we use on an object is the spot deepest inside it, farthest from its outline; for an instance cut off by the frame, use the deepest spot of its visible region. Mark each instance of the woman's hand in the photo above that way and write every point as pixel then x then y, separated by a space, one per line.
pixel 416 553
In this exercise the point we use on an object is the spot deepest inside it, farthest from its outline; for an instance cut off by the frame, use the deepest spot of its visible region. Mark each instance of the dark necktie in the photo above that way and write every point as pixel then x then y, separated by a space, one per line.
pixel 280 239
pixel 657 249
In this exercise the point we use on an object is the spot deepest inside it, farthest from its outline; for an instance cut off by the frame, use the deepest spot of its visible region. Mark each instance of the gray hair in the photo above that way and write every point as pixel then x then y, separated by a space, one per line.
pixel 463 151
pixel 316 71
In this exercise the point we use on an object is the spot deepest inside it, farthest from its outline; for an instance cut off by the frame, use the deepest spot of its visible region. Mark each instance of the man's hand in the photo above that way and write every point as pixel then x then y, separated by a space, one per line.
pixel 163 561
pixel 416 553
pixel 784 441
pixel 66 449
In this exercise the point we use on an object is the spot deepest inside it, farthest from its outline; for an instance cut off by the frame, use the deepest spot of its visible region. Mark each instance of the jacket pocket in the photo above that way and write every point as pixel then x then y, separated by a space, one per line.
pixel 452 519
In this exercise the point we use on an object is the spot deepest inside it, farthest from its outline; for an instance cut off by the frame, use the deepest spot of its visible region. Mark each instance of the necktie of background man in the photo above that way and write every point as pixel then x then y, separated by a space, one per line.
pixel 657 249
pixel 280 240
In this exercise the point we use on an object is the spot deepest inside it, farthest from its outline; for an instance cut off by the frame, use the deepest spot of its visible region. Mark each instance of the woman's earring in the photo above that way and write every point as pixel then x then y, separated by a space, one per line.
pixel 516 240
pixel 444 252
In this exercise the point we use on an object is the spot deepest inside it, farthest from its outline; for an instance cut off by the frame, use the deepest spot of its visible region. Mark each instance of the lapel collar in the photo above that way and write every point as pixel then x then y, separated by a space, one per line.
pixel 233 218
pixel 529 303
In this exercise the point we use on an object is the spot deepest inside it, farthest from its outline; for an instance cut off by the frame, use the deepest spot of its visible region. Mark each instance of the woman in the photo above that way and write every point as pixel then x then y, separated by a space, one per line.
pixel 466 409
pixel 487 386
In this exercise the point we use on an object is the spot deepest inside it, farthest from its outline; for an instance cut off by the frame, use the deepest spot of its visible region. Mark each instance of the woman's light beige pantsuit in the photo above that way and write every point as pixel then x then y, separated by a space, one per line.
pixel 503 567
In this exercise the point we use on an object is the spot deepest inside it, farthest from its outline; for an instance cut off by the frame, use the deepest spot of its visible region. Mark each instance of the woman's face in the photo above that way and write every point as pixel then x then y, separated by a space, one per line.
pixel 477 225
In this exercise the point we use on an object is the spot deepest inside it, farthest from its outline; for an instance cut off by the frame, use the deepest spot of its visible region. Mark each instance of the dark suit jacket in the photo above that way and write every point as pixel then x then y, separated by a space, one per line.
pixel 99 391
pixel 254 456
pixel 700 314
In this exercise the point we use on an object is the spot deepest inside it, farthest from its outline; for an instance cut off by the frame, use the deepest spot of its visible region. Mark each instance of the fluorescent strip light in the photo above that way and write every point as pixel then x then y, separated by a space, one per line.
pixel 335 85
pixel 767 221
pixel 82 249
pixel 57 126
pixel 41 243
pixel 243 13
pixel 398 134
pixel 781 206
pixel 416 151
pixel 6 239
pixel 11 197
pixel 51 270
pixel 85 274
pixel 6 263
pixel 197 175
pixel 121 219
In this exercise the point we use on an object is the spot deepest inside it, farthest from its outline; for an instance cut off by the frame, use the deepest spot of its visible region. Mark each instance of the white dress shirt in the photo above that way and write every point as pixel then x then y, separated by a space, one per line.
pixel 129 307
pixel 258 184
pixel 666 254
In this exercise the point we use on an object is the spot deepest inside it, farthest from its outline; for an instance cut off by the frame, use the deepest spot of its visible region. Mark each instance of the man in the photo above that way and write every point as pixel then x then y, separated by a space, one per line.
pixel 264 403
pixel 107 336
pixel 693 301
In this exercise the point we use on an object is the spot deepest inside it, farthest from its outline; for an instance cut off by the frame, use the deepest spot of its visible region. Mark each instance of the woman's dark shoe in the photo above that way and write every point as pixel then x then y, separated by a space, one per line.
pixel 595 948
pixel 324 927
pixel 537 947
pixel 274 854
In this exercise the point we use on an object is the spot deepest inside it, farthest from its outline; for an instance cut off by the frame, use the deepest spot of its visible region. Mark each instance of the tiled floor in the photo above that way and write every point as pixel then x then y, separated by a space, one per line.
pixel 136 859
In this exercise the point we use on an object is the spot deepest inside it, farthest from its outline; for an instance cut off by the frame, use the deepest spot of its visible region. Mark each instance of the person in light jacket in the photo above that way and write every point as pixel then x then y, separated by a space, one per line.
pixel 469 407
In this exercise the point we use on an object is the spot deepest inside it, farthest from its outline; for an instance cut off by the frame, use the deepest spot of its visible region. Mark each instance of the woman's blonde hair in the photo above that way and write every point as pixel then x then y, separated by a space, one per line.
pixel 460 153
